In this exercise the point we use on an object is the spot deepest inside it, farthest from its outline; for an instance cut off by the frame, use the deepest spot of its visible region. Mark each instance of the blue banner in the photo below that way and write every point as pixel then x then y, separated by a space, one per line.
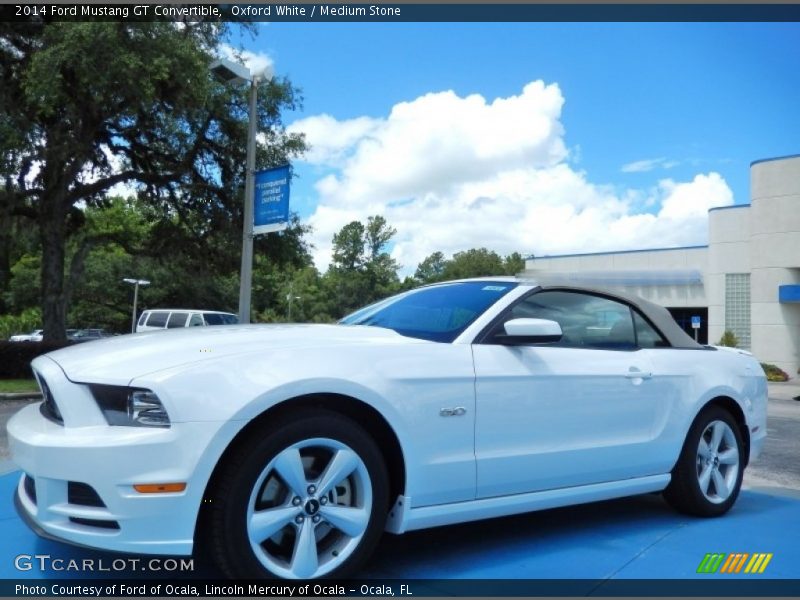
pixel 271 202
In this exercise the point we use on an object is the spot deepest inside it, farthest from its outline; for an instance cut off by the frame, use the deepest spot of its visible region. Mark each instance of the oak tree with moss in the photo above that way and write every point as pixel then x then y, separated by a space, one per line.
pixel 87 106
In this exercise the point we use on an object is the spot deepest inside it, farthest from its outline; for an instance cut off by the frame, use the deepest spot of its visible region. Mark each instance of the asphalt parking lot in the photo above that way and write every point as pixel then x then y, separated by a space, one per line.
pixel 597 546
pixel 777 470
pixel 7 408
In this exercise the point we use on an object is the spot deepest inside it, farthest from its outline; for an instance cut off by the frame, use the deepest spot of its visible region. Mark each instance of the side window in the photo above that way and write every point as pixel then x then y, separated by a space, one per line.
pixel 143 318
pixel 220 319
pixel 646 335
pixel 157 319
pixel 177 319
pixel 196 321
pixel 586 321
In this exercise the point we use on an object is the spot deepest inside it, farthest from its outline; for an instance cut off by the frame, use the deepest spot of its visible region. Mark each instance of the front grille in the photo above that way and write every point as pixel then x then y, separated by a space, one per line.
pixel 101 523
pixel 29 485
pixel 83 495
pixel 48 408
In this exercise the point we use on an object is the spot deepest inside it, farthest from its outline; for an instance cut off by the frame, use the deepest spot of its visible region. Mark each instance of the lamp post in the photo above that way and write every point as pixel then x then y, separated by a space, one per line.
pixel 289 297
pixel 136 283
pixel 233 73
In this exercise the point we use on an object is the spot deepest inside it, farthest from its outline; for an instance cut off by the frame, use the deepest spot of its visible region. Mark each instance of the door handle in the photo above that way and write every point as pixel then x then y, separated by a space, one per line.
pixel 636 374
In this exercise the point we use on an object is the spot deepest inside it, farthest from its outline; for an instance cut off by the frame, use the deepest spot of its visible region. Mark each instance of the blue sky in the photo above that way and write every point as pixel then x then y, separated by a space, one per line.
pixel 651 124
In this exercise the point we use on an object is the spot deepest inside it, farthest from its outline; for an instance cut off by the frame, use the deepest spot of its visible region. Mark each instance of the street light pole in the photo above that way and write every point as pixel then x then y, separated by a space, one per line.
pixel 289 297
pixel 233 73
pixel 246 274
pixel 136 283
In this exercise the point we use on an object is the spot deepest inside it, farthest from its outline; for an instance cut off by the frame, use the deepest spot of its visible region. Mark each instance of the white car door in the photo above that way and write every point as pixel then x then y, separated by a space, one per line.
pixel 583 410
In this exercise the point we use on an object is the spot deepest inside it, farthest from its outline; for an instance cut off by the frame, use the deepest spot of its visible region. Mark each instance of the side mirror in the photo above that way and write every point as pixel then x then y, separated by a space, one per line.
pixel 530 331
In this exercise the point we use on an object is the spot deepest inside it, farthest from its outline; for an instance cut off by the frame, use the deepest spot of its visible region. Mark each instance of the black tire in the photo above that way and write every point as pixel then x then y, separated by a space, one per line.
pixel 685 491
pixel 317 436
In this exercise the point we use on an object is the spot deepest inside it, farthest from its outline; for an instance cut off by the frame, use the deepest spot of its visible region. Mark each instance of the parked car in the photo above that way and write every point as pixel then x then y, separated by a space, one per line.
pixel 34 336
pixel 171 318
pixel 286 450
pixel 87 335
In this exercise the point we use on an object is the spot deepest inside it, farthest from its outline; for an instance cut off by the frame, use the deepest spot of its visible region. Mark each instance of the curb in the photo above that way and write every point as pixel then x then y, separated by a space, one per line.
pixel 21 396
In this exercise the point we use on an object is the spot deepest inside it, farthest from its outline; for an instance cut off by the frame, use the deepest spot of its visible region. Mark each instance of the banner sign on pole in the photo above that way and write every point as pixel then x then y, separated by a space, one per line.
pixel 271 202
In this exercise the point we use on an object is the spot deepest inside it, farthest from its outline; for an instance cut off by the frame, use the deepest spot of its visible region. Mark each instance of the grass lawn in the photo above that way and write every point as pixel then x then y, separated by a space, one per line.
pixel 8 386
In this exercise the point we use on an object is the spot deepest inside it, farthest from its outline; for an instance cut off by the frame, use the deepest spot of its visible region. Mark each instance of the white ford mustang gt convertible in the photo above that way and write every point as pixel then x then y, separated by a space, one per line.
pixel 287 450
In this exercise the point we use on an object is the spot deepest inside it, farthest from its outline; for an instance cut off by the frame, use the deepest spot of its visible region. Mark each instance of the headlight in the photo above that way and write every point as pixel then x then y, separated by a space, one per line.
pixel 131 407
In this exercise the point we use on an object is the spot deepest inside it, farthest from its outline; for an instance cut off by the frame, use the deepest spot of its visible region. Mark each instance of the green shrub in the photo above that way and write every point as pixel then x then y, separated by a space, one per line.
pixel 774 373
pixel 728 339
pixel 29 320
pixel 16 357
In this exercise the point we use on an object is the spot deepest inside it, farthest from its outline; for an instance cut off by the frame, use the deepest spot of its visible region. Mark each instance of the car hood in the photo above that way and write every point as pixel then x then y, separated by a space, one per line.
pixel 120 359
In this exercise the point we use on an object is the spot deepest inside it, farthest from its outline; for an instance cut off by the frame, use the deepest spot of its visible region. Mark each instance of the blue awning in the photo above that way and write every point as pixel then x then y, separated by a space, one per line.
pixel 789 293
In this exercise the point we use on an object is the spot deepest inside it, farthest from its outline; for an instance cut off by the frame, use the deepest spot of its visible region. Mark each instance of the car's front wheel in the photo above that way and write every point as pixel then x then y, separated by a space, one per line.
pixel 708 475
pixel 308 499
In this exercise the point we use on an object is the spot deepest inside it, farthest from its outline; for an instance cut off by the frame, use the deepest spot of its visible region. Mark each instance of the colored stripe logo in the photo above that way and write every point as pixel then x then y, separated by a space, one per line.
pixel 736 562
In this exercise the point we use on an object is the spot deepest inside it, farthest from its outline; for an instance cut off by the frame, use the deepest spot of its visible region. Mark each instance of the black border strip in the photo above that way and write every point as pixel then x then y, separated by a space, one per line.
pixel 403 13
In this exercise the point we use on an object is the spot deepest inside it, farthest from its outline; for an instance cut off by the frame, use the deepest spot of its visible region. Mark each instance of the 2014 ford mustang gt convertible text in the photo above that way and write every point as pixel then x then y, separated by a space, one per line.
pixel 287 450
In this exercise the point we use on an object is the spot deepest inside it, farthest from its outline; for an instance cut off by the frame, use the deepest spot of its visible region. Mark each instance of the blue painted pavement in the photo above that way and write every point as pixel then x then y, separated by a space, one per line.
pixel 632 538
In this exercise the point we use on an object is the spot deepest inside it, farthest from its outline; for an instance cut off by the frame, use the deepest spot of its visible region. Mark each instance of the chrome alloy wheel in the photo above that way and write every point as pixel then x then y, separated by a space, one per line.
pixel 309 509
pixel 717 462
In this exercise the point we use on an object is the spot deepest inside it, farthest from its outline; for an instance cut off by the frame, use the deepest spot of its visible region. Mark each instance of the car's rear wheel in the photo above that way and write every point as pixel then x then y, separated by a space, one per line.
pixel 708 475
pixel 307 500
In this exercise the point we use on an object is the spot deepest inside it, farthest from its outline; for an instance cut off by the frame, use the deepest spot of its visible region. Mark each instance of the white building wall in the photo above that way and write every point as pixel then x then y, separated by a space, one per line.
pixel 632 265
pixel 728 252
pixel 775 260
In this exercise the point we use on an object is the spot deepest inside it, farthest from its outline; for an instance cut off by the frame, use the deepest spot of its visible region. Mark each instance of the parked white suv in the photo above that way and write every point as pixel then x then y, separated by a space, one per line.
pixel 170 318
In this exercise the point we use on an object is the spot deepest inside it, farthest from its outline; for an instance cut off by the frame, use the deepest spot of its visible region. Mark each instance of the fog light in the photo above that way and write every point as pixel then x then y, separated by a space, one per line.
pixel 145 408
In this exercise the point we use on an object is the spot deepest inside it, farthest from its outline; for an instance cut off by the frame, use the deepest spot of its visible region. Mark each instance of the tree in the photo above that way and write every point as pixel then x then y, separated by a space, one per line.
pixel 476 262
pixel 431 269
pixel 302 298
pixel 348 248
pixel 361 269
pixel 514 264
pixel 87 106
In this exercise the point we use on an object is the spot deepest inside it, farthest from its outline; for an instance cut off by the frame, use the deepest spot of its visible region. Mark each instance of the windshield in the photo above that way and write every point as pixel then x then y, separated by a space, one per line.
pixel 438 313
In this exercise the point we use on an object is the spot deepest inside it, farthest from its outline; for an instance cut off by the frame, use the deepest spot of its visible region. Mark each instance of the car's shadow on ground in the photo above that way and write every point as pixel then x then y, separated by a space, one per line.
pixel 485 548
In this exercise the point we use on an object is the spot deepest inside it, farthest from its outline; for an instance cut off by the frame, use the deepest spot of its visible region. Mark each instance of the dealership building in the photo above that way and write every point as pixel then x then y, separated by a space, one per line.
pixel 746 280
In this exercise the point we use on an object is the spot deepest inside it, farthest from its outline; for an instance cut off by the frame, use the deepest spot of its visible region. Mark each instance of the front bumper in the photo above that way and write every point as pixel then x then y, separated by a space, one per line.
pixel 65 464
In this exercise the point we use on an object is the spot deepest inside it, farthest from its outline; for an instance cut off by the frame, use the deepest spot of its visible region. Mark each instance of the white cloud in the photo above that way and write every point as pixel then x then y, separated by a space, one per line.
pixel 693 199
pixel 648 164
pixel 452 173
pixel 330 140
pixel 257 62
